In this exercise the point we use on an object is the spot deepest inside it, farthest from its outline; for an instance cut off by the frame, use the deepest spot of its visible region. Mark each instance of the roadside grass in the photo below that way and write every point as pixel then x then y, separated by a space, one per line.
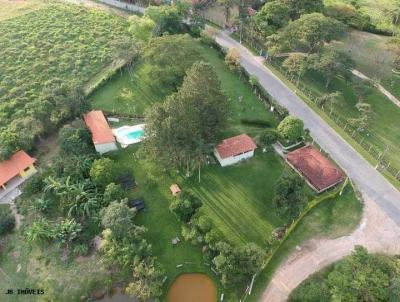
pixel 331 219
pixel 10 9
pixel 382 127
pixel 239 199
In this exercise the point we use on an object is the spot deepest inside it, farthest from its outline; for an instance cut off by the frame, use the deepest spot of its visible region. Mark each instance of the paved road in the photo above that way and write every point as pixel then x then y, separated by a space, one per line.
pixel 380 230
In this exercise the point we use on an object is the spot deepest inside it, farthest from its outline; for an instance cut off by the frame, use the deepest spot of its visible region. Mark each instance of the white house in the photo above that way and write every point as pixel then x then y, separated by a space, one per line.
pixel 235 149
pixel 103 139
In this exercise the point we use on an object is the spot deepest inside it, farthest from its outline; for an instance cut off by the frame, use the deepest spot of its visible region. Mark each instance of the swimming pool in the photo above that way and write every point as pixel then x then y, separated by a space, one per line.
pixel 127 135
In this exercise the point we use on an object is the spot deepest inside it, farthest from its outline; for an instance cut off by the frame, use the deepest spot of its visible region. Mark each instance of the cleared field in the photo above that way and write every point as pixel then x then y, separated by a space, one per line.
pixel 13 8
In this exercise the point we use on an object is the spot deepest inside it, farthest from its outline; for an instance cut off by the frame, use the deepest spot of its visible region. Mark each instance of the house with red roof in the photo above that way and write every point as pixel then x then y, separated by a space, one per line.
pixel 102 136
pixel 319 172
pixel 235 149
pixel 15 171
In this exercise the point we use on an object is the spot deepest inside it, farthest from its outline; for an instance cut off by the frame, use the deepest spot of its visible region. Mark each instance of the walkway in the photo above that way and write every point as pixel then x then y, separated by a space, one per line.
pixel 380 230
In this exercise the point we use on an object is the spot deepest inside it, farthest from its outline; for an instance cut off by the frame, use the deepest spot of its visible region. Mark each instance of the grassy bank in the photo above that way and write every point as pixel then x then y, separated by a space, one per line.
pixel 331 219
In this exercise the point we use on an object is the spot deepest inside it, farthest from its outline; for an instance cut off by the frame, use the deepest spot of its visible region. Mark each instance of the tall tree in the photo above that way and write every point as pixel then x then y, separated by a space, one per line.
pixel 167 18
pixel 301 7
pixel 168 58
pixel 198 111
pixel 331 63
pixel 272 16
pixel 310 32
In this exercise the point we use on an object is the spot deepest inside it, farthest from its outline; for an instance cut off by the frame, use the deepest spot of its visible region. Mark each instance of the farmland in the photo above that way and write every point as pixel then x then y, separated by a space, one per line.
pixel 47 56
pixel 14 8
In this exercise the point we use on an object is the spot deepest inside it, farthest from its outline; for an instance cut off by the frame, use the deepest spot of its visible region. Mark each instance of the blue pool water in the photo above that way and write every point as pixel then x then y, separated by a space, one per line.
pixel 135 134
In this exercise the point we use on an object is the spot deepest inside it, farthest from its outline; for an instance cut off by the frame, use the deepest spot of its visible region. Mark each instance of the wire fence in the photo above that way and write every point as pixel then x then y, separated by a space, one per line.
pixel 380 151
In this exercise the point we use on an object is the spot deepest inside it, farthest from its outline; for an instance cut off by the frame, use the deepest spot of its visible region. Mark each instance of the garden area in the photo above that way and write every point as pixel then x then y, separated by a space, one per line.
pixel 232 198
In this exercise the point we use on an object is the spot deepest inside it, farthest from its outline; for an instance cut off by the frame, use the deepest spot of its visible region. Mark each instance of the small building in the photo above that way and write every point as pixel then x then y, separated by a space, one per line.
pixel 175 189
pixel 235 149
pixel 103 139
pixel 15 171
pixel 319 172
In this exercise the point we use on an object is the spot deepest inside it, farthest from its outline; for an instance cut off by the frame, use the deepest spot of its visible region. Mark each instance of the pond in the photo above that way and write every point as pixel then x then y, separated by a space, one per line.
pixel 193 288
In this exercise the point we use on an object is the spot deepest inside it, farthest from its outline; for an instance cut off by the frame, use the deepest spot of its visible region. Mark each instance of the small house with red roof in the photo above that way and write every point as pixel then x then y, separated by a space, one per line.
pixel 319 172
pixel 235 149
pixel 102 136
pixel 15 171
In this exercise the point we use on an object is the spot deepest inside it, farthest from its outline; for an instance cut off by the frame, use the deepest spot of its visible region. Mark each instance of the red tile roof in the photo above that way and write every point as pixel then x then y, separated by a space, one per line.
pixel 315 167
pixel 97 123
pixel 13 166
pixel 236 145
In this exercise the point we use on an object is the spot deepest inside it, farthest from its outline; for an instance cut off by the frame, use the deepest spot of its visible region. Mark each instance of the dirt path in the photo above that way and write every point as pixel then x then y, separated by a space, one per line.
pixel 382 89
pixel 376 233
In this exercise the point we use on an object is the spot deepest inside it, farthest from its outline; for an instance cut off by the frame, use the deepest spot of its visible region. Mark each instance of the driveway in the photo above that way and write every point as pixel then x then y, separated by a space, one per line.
pixel 380 230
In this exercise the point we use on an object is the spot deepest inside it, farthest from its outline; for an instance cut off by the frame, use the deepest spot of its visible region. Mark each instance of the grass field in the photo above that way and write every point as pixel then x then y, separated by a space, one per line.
pixel 371 56
pixel 240 196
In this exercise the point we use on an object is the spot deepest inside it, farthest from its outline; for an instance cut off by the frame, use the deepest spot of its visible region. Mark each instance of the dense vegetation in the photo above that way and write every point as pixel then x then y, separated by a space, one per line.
pixel 47 56
pixel 359 277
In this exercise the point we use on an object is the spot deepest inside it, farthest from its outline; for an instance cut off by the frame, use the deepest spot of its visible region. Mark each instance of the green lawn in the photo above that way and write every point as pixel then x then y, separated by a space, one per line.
pixel 163 226
pixel 331 219
pixel 238 198
pixel 106 97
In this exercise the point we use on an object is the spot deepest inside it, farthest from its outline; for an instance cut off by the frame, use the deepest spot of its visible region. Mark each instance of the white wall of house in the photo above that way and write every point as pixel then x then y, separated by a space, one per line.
pixel 233 159
pixel 104 148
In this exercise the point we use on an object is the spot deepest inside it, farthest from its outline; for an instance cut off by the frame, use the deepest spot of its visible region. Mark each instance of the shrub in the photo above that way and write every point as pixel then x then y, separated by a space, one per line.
pixel 349 15
pixel 255 122
pixel 75 140
pixel 113 192
pixel 291 129
pixel 267 138
pixel 7 221
pixel 103 171
pixel 81 249
pixel 185 206
pixel 204 224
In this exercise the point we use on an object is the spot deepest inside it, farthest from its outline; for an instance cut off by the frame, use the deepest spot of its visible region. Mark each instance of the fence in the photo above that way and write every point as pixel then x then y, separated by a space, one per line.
pixel 381 155
pixel 124 6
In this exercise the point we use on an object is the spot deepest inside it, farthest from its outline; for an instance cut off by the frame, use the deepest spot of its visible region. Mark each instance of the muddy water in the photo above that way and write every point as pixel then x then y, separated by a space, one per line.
pixel 192 288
